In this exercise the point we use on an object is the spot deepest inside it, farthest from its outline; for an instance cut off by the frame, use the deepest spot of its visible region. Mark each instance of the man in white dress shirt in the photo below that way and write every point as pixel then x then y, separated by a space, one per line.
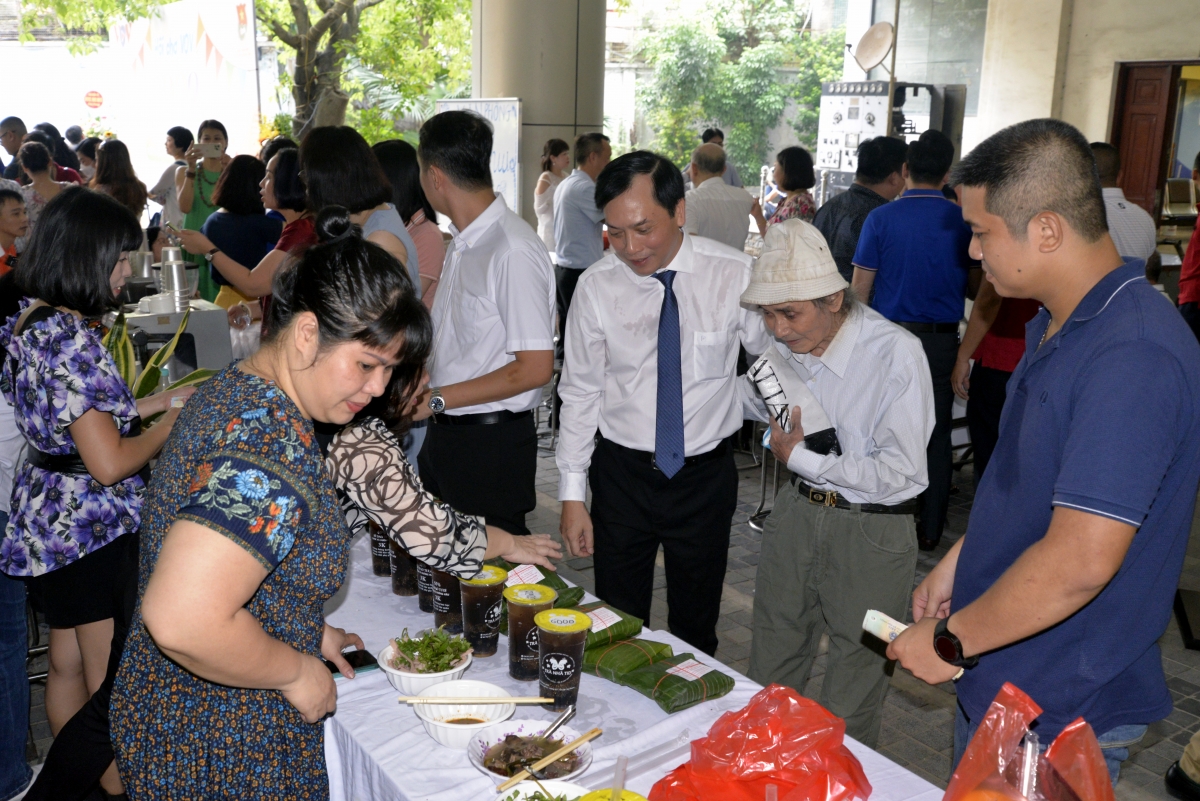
pixel 841 538
pixel 651 356
pixel 1131 227
pixel 714 208
pixel 493 333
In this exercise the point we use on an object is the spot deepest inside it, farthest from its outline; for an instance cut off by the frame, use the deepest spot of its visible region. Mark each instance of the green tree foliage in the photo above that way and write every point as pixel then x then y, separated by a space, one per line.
pixel 728 73
pixel 819 58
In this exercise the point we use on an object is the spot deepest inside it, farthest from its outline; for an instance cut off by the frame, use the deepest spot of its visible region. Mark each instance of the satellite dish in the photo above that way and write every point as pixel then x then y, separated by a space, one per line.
pixel 874 45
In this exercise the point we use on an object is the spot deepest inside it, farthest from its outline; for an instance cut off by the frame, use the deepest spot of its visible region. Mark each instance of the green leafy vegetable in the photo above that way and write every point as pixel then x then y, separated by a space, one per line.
pixel 434 652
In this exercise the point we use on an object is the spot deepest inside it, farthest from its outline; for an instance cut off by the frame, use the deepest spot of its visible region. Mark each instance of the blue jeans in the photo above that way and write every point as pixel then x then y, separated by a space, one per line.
pixel 14 685
pixel 1114 743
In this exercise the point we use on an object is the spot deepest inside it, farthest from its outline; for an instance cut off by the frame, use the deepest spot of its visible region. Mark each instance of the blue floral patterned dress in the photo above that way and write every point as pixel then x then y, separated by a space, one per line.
pixel 242 462
pixel 57 371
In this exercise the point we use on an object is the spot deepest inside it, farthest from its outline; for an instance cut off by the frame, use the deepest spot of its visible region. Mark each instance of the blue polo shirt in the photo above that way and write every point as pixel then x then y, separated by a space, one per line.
pixel 1102 418
pixel 917 248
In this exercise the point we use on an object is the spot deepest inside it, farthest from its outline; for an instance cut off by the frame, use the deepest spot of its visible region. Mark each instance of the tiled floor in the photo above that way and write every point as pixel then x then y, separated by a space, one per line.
pixel 918 719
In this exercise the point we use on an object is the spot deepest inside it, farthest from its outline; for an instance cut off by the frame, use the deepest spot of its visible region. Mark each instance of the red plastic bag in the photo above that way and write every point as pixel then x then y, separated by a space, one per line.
pixel 1072 768
pixel 779 738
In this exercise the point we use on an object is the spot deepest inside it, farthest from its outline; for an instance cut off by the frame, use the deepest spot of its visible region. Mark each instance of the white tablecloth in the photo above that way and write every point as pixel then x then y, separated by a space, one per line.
pixel 377 749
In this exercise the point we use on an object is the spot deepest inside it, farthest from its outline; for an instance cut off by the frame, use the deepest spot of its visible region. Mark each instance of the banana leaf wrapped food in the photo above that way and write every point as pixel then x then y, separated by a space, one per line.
pixel 677 682
pixel 611 661
pixel 609 624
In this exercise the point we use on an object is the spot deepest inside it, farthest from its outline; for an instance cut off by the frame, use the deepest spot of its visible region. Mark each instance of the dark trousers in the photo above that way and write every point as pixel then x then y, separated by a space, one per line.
pixel 988 391
pixel 1191 315
pixel 636 508
pixel 484 470
pixel 941 350
pixel 566 279
pixel 83 749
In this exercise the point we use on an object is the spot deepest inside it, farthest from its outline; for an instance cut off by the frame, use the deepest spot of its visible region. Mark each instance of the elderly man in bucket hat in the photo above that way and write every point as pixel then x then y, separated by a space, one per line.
pixel 841 538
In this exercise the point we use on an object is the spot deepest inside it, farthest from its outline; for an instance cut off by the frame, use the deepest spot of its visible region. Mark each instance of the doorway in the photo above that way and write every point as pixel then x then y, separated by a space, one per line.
pixel 1157 106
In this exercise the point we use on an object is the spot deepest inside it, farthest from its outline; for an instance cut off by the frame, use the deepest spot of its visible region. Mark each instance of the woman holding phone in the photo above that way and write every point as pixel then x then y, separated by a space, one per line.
pixel 195 183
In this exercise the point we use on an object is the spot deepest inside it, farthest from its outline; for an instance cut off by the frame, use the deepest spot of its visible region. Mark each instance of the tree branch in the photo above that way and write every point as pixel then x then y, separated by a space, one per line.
pixel 363 5
pixel 281 33
pixel 300 12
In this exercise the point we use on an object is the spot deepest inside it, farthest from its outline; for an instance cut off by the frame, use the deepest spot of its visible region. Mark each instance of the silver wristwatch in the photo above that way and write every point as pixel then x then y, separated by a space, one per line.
pixel 436 402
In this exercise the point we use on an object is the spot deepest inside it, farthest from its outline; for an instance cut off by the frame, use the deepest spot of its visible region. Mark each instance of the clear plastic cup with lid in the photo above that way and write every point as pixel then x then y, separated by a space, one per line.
pixel 481 606
pixel 524 602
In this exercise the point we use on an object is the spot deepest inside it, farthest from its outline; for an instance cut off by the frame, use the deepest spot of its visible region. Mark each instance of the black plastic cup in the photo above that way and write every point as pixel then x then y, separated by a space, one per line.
pixel 447 603
pixel 562 635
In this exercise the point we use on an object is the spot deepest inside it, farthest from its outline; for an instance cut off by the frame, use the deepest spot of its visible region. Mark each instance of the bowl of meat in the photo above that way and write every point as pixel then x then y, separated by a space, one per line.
pixel 503 750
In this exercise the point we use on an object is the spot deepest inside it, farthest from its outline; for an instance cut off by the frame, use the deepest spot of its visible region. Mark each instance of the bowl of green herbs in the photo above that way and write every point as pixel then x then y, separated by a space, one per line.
pixel 432 657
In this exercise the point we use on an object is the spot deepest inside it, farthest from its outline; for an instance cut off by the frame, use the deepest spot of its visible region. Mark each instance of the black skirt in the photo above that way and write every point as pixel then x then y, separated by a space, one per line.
pixel 87 590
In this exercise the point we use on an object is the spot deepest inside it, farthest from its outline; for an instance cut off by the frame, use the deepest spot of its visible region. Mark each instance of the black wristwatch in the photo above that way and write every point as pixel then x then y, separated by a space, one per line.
pixel 949 647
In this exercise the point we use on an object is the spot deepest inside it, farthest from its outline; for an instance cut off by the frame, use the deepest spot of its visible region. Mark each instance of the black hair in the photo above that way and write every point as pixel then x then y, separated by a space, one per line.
pixel 929 158
pixel 358 292
pixel 115 175
pixel 616 178
pixel 73 135
pixel 797 167
pixel 552 148
pixel 61 150
pixel 587 144
pixel 182 137
pixel 214 125
pixel 274 145
pixel 289 189
pixel 1196 162
pixel 1036 166
pixel 77 242
pixel 880 157
pixel 459 143
pixel 711 134
pixel 13 124
pixel 88 147
pixel 340 169
pixel 10 194
pixel 237 188
pixel 34 157
pixel 399 162
pixel 1108 162
pixel 42 138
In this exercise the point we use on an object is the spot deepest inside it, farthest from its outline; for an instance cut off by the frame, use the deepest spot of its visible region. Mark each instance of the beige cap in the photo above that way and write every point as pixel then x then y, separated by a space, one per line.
pixel 795 265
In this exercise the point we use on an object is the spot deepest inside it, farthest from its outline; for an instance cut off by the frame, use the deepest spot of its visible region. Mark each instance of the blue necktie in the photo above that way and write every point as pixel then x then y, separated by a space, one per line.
pixel 668 423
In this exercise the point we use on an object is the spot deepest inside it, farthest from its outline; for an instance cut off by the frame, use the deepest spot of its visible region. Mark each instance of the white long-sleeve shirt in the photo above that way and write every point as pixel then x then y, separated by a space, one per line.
pixel 610 373
pixel 873 381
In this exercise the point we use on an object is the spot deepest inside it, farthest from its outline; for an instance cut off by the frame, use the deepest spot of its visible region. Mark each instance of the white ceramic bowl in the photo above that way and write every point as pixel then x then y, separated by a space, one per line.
pixel 482 741
pixel 525 790
pixel 457 735
pixel 413 683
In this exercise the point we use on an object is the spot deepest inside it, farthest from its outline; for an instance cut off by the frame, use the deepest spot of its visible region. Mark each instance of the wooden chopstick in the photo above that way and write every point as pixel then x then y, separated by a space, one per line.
pixel 550 760
pixel 414 699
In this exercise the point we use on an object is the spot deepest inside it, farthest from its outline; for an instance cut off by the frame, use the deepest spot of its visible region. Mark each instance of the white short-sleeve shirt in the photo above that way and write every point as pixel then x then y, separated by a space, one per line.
pixel 496 298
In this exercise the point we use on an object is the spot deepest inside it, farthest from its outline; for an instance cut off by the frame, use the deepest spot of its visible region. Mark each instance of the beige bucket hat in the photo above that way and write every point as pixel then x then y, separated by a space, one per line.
pixel 795 265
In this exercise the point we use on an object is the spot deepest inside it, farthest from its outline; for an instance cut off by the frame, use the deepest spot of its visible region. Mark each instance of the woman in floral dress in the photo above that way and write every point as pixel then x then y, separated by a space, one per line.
pixel 76 502
pixel 793 176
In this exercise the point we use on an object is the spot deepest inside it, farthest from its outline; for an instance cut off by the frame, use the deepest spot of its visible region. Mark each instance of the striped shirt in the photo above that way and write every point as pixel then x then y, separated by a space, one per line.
pixel 1131 228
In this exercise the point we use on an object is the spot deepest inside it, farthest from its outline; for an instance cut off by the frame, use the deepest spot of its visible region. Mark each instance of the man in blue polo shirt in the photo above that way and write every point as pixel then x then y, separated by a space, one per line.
pixel 913 253
pixel 1064 580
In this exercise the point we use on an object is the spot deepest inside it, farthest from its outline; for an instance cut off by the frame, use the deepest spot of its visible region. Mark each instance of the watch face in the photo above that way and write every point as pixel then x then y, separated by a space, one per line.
pixel 945 648
pixel 437 403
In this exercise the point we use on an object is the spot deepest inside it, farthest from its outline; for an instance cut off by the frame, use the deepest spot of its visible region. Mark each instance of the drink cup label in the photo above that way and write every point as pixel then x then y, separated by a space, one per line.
pixel 528 595
pixel 602 618
pixel 690 669
pixel 531 640
pixel 524 574
pixel 562 620
pixel 491 618
pixel 558 668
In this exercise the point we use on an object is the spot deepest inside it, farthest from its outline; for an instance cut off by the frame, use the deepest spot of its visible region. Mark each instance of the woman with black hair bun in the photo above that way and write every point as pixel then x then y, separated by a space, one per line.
pixel 244 539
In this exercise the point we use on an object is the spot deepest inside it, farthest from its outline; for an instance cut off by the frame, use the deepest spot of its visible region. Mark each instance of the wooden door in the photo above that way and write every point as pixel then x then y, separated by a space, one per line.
pixel 1146 110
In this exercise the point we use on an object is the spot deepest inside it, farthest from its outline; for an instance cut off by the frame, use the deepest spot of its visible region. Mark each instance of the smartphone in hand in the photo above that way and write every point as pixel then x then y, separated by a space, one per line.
pixel 361 661
pixel 210 150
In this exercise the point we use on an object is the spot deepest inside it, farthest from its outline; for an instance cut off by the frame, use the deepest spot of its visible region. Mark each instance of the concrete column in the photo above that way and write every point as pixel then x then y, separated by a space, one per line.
pixel 1024 62
pixel 549 53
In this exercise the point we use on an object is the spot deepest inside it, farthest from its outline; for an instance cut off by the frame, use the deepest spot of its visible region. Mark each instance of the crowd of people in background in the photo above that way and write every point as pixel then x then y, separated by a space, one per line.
pixel 410 322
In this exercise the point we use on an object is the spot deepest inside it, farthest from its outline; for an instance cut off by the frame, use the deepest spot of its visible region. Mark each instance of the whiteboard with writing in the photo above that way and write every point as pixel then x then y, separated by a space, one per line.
pixel 504 113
